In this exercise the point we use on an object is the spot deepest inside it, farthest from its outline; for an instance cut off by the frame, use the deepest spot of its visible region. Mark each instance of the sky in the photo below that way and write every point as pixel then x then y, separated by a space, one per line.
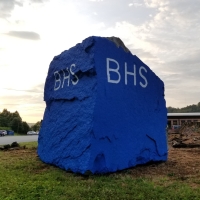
pixel 164 34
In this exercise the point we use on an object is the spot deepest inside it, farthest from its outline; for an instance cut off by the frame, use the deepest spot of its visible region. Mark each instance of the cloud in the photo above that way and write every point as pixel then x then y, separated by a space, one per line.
pixel 24 35
pixel 35 89
pixel 96 0
pixel 18 90
pixel 163 34
pixel 38 1
pixel 112 11
pixel 29 103
pixel 6 6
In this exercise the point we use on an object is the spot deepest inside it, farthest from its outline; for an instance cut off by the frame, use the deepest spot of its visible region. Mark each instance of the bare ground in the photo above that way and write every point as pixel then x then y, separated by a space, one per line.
pixel 183 164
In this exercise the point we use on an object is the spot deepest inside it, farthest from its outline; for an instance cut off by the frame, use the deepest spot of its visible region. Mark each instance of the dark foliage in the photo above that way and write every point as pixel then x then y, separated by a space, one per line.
pixel 36 127
pixel 14 121
pixel 187 109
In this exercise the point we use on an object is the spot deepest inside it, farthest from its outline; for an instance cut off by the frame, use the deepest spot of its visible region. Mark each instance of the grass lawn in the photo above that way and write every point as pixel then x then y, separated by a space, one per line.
pixel 24 176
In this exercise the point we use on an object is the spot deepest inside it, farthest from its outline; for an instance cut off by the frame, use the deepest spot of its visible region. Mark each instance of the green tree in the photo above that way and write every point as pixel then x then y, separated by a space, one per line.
pixel 14 121
pixel 190 108
pixel 16 124
pixel 36 126
pixel 4 118
pixel 24 128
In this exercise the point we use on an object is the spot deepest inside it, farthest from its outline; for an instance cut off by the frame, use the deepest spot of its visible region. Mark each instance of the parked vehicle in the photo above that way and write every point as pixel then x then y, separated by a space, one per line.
pixel 3 132
pixel 174 127
pixel 31 133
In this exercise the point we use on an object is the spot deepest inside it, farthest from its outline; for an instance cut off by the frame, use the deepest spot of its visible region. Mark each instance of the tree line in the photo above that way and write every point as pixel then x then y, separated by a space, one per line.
pixel 187 109
pixel 13 121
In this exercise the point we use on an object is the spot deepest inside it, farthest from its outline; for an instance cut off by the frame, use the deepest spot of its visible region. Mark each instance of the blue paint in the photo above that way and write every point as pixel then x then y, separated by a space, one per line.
pixel 10 132
pixel 98 118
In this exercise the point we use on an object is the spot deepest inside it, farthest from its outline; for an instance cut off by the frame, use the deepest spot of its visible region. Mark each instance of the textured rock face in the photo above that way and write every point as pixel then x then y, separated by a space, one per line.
pixel 105 110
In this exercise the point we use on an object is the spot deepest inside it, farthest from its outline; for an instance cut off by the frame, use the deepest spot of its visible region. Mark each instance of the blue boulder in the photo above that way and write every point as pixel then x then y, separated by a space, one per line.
pixel 105 110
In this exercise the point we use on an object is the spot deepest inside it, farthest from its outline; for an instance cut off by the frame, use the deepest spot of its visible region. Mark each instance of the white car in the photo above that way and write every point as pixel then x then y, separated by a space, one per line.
pixel 3 132
pixel 31 133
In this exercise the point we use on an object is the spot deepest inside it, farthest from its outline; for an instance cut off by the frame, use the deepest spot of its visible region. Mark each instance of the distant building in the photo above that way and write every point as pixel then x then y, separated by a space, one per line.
pixel 181 118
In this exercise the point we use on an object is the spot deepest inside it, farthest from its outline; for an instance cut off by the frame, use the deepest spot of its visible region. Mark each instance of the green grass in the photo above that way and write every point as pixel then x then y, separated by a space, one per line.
pixel 5 128
pixel 24 176
pixel 17 134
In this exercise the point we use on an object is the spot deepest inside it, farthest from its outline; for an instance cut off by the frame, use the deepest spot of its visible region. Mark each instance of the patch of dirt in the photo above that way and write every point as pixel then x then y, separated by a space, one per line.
pixel 184 140
pixel 182 164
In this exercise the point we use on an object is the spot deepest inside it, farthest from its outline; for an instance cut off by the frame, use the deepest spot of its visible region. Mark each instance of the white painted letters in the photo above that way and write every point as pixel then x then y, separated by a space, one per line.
pixel 130 73
pixel 140 72
pixel 66 74
pixel 65 77
pixel 133 73
pixel 73 82
pixel 57 80
pixel 113 70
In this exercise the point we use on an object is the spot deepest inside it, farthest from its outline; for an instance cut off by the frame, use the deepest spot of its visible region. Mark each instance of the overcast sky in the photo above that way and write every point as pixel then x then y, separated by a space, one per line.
pixel 165 34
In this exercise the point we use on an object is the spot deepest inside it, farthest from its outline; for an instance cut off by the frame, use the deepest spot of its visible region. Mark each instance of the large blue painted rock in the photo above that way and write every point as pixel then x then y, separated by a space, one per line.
pixel 105 110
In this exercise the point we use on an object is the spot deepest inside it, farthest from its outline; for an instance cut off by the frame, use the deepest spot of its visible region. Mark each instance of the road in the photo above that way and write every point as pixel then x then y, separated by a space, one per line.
pixel 10 139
